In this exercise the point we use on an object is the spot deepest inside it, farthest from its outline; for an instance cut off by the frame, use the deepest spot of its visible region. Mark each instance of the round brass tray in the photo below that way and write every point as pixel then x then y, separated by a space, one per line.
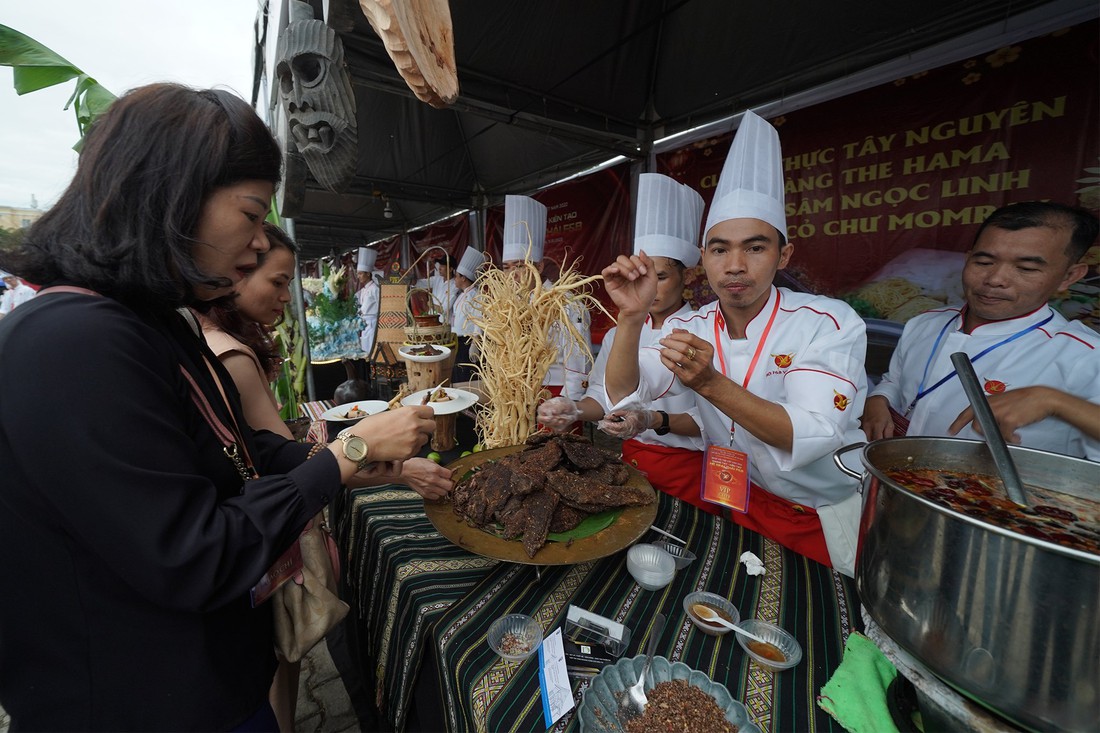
pixel 629 526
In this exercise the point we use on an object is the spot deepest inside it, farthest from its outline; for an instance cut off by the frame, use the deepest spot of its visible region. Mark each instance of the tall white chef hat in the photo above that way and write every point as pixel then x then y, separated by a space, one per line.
pixel 666 223
pixel 367 258
pixel 524 228
pixel 469 263
pixel 751 184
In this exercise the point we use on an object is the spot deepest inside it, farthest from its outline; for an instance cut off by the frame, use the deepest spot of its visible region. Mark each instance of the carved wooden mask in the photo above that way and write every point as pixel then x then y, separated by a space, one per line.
pixel 315 91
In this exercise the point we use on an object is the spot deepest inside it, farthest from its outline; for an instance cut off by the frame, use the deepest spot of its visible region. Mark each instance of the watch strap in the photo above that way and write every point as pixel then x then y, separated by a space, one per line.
pixel 663 428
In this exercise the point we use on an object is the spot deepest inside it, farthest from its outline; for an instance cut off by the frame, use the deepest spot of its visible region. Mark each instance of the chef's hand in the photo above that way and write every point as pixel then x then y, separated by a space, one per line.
pixel 632 284
pixel 689 358
pixel 627 424
pixel 876 421
pixel 1012 410
pixel 426 478
pixel 558 413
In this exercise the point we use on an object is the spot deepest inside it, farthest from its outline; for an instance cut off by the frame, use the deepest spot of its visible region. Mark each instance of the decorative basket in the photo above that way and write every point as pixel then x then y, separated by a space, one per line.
pixel 422 325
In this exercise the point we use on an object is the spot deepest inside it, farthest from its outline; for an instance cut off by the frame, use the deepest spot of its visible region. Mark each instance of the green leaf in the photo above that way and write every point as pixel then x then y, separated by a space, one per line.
pixel 592 524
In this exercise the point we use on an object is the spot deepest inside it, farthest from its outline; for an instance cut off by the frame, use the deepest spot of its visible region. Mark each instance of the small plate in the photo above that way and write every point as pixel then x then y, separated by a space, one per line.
pixel 339 413
pixel 607 687
pixel 460 400
pixel 404 351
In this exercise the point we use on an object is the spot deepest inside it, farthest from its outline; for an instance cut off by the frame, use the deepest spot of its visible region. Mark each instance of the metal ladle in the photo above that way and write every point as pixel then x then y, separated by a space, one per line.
pixel 1002 459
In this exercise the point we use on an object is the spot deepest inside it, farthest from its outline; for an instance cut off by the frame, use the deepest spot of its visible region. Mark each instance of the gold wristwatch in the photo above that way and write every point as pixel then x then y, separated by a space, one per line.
pixel 355 449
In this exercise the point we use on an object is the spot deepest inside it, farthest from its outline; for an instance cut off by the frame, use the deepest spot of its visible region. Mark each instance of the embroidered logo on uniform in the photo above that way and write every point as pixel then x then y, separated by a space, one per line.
pixel 783 360
pixel 993 386
pixel 840 402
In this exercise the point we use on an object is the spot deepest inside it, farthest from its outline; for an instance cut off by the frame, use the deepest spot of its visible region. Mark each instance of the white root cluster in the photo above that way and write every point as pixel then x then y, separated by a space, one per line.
pixel 517 316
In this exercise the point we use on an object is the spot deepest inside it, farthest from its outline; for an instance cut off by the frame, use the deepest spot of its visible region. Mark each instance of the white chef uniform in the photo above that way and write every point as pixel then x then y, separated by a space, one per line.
pixel 369 298
pixel 812 364
pixel 678 399
pixel 822 388
pixel 1049 351
pixel 525 238
pixel 464 307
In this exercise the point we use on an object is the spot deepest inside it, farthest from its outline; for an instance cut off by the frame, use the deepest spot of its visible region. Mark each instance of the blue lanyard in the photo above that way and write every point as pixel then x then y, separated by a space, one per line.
pixel 922 392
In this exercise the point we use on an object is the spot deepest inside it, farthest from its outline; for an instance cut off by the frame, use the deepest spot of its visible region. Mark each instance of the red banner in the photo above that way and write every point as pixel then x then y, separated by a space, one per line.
pixel 451 234
pixel 587 226
pixel 893 181
pixel 389 255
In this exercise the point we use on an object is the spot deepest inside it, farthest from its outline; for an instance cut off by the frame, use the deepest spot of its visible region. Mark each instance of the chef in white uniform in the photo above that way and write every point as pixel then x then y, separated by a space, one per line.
pixel 778 375
pixel 663 440
pixel 464 308
pixel 1021 348
pixel 368 297
pixel 524 240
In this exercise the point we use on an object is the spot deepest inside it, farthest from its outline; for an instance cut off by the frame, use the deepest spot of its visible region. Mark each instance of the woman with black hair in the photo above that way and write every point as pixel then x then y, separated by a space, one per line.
pixel 138 508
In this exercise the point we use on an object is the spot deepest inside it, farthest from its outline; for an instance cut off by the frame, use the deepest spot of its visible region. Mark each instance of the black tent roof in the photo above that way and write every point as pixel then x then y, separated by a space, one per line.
pixel 554 87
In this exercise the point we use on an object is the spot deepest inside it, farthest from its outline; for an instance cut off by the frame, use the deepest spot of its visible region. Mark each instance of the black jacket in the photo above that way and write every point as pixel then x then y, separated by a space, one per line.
pixel 128 542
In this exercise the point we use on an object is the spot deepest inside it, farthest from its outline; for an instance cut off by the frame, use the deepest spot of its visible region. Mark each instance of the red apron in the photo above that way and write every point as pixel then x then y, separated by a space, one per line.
pixel 794 526
pixel 675 471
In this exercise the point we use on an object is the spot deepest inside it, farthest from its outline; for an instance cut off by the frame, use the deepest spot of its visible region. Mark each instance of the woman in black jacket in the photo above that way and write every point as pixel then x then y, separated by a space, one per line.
pixel 130 536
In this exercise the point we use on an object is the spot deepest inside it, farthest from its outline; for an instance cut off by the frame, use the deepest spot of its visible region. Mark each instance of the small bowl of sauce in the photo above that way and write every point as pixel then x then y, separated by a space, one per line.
pixel 719 605
pixel 780 651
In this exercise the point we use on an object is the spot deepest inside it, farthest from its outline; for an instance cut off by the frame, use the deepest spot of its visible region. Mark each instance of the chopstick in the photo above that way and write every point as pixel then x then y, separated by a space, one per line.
pixel 428 397
pixel 667 534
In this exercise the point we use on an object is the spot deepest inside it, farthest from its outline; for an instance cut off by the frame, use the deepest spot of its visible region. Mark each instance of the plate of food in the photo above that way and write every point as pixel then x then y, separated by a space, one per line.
pixel 569 502
pixel 424 352
pixel 444 400
pixel 679 697
pixel 353 411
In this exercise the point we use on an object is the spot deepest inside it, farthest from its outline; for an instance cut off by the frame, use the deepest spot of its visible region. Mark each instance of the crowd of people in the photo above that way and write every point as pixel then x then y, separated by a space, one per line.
pixel 148 528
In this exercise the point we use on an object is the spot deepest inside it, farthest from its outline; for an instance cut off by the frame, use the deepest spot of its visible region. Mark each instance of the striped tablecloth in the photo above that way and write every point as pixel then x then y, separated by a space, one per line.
pixel 418 594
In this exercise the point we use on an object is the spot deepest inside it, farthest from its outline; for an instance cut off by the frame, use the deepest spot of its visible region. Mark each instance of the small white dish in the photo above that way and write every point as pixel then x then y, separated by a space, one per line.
pixel 460 400
pixel 406 353
pixel 367 407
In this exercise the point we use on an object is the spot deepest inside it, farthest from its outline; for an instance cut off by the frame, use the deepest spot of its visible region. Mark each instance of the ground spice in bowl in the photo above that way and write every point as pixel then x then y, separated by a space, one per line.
pixel 678 706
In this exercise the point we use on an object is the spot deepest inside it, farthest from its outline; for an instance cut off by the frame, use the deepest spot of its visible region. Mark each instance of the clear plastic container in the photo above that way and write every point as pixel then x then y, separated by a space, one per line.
pixel 515 636
pixel 786 644
pixel 716 602
pixel 682 555
pixel 651 567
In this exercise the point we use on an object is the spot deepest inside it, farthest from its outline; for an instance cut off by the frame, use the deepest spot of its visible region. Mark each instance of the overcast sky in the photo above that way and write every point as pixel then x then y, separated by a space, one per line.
pixel 122 44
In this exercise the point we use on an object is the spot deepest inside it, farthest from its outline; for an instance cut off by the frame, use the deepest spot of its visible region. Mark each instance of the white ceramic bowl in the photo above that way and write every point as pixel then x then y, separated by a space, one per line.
pixel 651 567
pixel 682 555
pixel 714 601
pixel 515 636
pixel 777 637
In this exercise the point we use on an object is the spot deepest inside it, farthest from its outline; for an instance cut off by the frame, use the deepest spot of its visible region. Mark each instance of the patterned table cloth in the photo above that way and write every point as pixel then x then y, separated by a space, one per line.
pixel 419 598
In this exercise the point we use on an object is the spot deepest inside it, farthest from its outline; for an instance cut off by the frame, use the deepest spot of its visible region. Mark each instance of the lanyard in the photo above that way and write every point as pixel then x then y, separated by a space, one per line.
pixel 720 323
pixel 922 392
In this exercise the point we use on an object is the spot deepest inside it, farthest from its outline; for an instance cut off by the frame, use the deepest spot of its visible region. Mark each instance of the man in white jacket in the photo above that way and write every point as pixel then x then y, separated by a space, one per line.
pixel 1030 360
pixel 16 293
pixel 778 376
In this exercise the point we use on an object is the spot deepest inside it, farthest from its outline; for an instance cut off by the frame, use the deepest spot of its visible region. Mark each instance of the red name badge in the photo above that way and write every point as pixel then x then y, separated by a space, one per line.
pixel 286 567
pixel 726 478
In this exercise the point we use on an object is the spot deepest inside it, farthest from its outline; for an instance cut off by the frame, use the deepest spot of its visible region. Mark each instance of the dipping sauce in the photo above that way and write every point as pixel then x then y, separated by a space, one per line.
pixel 699 609
pixel 766 650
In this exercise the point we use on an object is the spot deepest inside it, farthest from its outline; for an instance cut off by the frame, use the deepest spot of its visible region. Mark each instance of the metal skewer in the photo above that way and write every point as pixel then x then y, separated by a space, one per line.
pixel 667 534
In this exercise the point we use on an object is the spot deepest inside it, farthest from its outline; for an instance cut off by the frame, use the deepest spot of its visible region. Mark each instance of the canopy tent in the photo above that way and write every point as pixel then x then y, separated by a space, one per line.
pixel 550 89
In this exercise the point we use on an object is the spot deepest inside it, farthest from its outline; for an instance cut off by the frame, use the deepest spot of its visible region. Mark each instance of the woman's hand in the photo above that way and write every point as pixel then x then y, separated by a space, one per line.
pixel 627 424
pixel 396 435
pixel 426 478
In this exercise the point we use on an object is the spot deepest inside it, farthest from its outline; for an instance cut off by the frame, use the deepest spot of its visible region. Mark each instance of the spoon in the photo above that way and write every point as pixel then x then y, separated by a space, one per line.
pixel 633 701
pixel 707 614
pixel 1002 459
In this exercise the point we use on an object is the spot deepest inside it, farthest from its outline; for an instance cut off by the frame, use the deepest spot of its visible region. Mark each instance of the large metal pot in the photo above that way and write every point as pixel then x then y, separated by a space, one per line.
pixel 1010 621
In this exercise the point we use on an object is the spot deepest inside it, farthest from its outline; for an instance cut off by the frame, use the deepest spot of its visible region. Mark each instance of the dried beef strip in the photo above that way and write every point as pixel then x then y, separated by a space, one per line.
pixel 566 518
pixel 614 473
pixel 584 455
pixel 540 510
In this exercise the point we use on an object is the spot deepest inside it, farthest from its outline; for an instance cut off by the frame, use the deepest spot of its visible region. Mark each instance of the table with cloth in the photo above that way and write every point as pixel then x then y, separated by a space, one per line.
pixel 421 607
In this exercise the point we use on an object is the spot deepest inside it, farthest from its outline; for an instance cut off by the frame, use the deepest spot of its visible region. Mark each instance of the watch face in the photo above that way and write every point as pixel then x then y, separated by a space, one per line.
pixel 355 448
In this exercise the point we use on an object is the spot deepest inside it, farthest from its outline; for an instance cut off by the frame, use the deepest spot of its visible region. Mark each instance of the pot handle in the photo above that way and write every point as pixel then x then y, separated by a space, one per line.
pixel 840 464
